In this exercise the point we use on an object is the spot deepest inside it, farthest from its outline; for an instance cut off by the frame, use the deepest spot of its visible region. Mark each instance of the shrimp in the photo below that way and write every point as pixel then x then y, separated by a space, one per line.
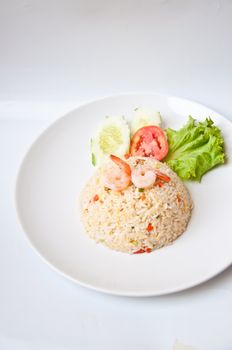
pixel 143 177
pixel 118 179
pixel 162 176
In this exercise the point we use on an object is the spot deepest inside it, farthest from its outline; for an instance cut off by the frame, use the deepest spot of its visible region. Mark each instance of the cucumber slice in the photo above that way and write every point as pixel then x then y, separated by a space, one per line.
pixel 111 137
pixel 144 117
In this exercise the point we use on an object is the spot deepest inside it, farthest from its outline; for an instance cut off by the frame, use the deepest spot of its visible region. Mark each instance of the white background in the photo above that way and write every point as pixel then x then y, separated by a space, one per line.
pixel 54 55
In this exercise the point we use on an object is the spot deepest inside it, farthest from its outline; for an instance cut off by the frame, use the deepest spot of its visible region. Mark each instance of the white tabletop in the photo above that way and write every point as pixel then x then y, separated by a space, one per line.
pixel 55 57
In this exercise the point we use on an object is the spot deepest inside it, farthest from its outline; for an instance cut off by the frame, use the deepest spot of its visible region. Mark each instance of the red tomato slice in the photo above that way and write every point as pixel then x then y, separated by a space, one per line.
pixel 149 141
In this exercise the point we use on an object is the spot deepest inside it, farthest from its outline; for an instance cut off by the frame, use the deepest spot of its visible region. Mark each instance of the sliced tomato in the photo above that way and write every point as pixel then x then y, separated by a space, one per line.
pixel 149 141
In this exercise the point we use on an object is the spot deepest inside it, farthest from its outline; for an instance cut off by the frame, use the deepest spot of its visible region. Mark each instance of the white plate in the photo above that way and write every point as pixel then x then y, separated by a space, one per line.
pixel 55 170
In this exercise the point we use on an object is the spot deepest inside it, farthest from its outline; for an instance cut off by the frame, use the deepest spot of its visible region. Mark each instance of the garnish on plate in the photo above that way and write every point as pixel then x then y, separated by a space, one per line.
pixel 195 148
pixel 111 137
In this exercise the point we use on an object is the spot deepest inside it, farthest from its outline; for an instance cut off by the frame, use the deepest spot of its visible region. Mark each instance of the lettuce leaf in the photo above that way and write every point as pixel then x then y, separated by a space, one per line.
pixel 194 149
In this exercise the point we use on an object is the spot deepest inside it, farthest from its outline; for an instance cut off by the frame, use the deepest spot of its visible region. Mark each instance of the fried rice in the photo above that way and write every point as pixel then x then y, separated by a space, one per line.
pixel 136 220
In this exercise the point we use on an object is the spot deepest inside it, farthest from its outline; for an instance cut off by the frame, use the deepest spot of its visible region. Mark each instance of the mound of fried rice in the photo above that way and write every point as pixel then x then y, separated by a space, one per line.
pixel 136 220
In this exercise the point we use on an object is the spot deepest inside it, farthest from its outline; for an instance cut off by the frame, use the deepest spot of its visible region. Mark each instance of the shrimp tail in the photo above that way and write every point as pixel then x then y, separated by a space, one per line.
pixel 124 166
pixel 162 176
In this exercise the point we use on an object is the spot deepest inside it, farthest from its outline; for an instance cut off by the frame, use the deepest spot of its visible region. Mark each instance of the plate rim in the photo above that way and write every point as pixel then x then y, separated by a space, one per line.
pixel 60 271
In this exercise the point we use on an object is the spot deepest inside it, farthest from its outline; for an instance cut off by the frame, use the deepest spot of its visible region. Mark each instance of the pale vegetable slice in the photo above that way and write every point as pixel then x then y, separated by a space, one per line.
pixel 144 117
pixel 111 137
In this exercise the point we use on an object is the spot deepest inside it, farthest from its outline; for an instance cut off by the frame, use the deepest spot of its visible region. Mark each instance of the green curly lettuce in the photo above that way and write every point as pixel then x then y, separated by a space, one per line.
pixel 194 149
